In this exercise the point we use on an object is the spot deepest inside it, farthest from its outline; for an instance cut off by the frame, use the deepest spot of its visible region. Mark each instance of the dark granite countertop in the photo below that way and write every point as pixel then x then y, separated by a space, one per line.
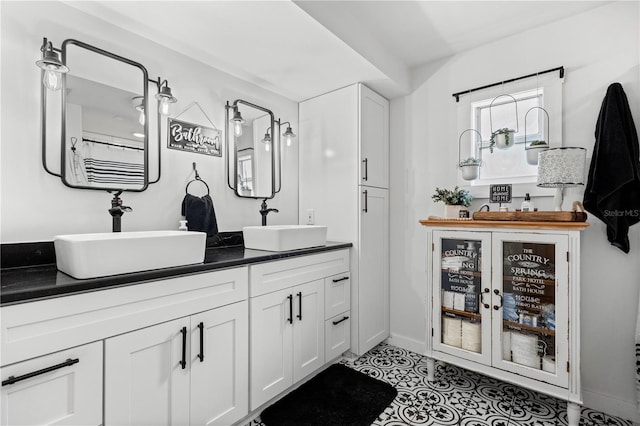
pixel 28 283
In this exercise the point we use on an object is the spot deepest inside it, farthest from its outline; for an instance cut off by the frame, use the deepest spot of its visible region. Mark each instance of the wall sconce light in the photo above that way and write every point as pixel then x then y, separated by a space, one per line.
pixel 267 140
pixel 561 168
pixel 237 121
pixel 288 134
pixel 51 65
pixel 138 104
pixel 165 97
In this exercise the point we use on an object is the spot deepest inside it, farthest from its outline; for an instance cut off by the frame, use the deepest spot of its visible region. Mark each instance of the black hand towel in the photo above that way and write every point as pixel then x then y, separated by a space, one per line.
pixel 613 187
pixel 200 214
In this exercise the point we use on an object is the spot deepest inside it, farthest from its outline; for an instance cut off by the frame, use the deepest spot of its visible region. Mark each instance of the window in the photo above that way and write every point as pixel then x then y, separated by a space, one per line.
pixel 496 109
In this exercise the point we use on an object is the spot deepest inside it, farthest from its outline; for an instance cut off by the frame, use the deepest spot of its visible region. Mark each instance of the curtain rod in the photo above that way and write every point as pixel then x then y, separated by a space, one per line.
pixel 117 145
pixel 457 95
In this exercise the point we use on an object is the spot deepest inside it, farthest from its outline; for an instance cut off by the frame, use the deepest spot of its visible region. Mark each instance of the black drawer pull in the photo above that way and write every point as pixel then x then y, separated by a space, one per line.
pixel 341 320
pixel 290 319
pixel 366 201
pixel 201 354
pixel 340 279
pixel 11 380
pixel 183 363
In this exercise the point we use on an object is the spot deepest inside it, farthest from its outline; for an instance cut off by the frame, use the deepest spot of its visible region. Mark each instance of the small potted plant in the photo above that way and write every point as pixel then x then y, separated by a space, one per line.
pixel 470 168
pixel 453 200
pixel 502 139
pixel 534 149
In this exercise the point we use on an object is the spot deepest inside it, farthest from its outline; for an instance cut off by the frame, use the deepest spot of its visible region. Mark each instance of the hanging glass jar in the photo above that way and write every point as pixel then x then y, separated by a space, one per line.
pixel 502 138
pixel 470 166
pixel 535 147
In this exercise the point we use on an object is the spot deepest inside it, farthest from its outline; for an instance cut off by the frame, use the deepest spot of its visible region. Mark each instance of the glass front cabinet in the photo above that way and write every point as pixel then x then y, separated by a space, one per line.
pixel 505 303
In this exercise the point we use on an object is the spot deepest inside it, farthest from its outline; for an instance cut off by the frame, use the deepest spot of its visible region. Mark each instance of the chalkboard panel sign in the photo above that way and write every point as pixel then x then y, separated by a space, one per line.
pixel 191 137
pixel 529 286
pixel 500 193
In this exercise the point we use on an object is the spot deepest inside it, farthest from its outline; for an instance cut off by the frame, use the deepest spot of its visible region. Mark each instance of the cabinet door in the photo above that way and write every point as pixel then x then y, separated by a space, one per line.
pixel 531 304
pixel 67 389
pixel 146 382
pixel 220 365
pixel 308 329
pixel 374 139
pixel 461 314
pixel 373 268
pixel 271 359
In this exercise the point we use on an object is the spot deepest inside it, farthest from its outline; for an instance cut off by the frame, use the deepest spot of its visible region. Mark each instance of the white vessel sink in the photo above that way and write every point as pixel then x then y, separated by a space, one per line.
pixel 284 237
pixel 97 255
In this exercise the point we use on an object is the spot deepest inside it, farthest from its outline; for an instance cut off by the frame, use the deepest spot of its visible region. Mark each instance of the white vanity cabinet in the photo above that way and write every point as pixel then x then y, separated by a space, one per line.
pixel 63 388
pixel 140 327
pixel 195 367
pixel 287 310
pixel 505 302
pixel 344 180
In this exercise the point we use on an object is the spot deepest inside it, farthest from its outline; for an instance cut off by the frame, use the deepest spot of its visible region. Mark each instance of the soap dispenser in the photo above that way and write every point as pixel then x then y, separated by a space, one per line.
pixel 183 226
pixel 527 204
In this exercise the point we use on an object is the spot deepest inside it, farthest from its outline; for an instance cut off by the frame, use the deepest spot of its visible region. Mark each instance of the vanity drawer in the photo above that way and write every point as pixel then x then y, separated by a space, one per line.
pixel 60 388
pixel 337 335
pixel 37 328
pixel 337 295
pixel 280 274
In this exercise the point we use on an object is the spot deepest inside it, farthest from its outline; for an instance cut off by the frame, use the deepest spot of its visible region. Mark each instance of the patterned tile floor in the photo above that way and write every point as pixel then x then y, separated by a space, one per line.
pixel 460 397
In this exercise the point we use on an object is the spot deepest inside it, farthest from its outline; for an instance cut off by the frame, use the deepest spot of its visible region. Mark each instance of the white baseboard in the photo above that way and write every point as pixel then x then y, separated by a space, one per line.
pixel 407 343
pixel 610 405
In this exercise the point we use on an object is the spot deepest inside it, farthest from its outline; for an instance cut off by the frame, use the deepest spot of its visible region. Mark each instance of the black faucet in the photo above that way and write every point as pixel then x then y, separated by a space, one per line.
pixel 117 210
pixel 264 211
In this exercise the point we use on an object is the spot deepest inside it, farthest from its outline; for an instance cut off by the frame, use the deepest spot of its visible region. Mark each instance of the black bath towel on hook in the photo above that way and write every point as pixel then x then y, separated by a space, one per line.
pixel 613 187
pixel 200 214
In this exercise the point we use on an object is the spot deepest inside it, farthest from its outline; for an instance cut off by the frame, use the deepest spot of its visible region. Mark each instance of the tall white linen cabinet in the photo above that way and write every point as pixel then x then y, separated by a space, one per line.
pixel 344 184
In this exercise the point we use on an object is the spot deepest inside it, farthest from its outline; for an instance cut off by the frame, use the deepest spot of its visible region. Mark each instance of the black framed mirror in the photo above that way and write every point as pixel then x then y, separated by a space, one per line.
pixel 100 121
pixel 252 143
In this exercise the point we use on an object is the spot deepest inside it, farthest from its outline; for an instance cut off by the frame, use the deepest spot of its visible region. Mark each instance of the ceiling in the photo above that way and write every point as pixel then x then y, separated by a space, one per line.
pixel 301 49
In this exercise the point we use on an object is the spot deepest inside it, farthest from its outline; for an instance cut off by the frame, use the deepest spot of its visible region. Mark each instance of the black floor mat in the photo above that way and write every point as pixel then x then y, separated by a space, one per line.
pixel 338 396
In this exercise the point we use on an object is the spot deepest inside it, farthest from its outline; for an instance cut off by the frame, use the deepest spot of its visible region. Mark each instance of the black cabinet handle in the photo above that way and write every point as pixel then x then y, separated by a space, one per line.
pixel 290 319
pixel 299 306
pixel 366 200
pixel 183 363
pixel 201 354
pixel 11 380
pixel 486 305
pixel 340 320
pixel 337 280
pixel 366 169
pixel 497 292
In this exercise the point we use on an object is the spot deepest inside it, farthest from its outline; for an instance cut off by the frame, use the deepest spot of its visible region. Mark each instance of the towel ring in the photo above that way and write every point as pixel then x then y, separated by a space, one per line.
pixel 196 179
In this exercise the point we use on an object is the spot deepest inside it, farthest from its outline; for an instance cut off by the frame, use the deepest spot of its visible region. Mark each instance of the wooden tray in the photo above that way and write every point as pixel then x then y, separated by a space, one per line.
pixel 570 216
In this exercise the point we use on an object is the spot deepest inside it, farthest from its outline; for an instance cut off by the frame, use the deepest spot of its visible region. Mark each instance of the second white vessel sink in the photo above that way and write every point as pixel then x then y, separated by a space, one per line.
pixel 97 255
pixel 284 237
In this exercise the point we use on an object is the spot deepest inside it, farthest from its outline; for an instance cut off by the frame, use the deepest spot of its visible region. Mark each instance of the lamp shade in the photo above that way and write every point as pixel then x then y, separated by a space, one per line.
pixel 561 167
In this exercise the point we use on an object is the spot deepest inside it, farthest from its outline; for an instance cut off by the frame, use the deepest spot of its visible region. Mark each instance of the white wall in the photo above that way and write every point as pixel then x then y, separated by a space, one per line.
pixel 596 48
pixel 36 206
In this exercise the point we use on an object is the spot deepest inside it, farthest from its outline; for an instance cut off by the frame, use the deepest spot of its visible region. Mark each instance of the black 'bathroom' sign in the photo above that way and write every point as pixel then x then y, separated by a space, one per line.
pixel 191 137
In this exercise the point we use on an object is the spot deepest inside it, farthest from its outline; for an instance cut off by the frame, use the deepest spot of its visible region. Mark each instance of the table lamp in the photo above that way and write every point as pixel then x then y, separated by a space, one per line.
pixel 561 168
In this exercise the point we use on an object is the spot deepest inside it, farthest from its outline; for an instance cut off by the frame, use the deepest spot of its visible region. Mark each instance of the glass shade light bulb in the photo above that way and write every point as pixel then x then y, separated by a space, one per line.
pixel 237 128
pixel 267 146
pixel 288 136
pixel 52 79
pixel 141 117
pixel 163 108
